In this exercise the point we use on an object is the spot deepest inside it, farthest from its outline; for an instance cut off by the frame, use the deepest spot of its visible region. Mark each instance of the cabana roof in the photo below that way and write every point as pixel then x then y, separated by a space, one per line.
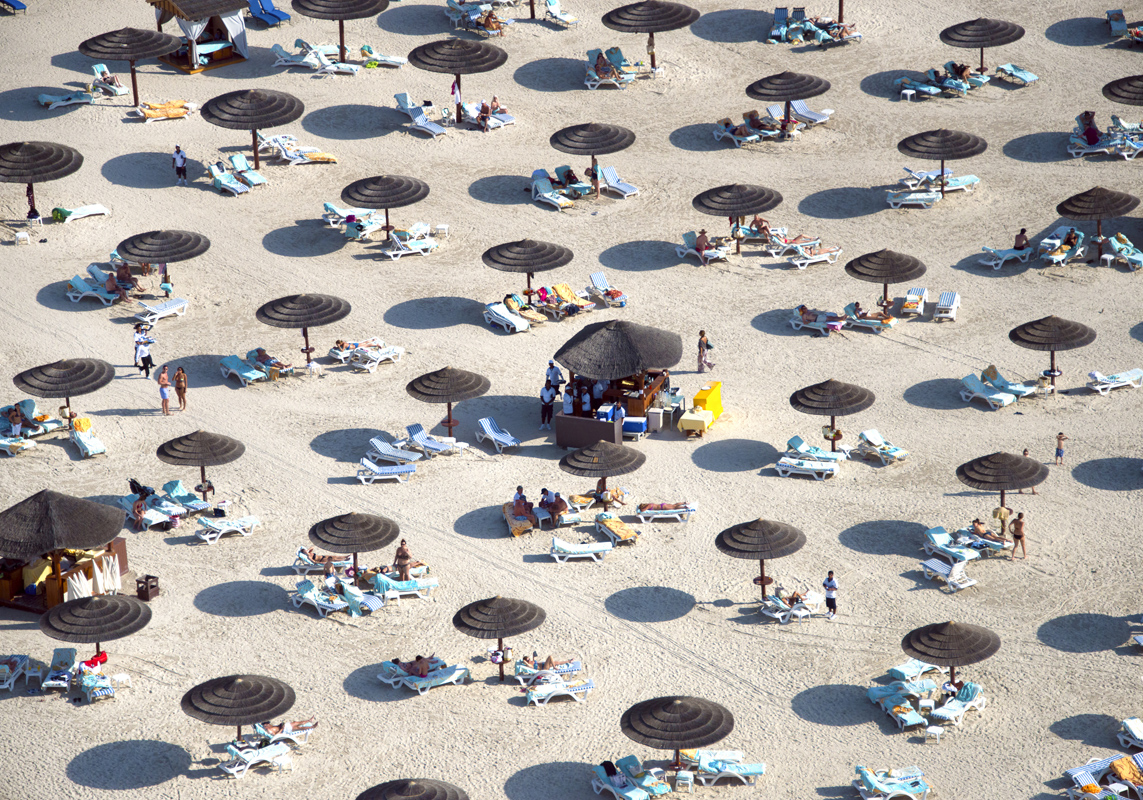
pixel 197 9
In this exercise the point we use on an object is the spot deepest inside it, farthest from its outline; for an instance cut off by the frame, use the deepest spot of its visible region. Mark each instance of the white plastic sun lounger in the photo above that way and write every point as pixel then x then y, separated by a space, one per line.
pixel 455 675
pixel 246 374
pixel 214 528
pixel 915 300
pixel 304 564
pixel 393 675
pixel 923 199
pixel 996 258
pixel 381 450
pixel 423 123
pixel 952 574
pixel 1105 383
pixel 681 514
pixel 947 305
pixel 803 256
pixel 498 315
pixel 11 668
pixel 561 551
pixel 612 183
pixel 1131 733
pixel 274 755
pixel 323 602
pixel 176 306
pixel 529 676
pixel 820 470
pixel 802 112
pixel 873 443
pixel 916 180
pixel 78 288
pixel 540 695
pixel 487 429
pixel 94 210
pixel 369 358
pixel 370 472
pixel 711 770
pixel 974 387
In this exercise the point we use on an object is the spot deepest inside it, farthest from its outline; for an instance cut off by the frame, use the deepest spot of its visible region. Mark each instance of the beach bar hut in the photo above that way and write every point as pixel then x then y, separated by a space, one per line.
pixel 214 32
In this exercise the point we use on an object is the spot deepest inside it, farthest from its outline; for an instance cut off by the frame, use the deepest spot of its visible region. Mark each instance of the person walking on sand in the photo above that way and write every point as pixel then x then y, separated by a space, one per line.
pixel 181 388
pixel 143 354
pixel 831 589
pixel 1018 535
pixel 1060 439
pixel 1033 488
pixel 165 390
pixel 704 348
pixel 179 162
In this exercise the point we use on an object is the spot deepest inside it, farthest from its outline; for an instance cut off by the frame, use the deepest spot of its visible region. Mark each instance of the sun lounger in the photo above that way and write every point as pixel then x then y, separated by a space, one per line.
pixel 724 129
pixel 553 12
pixel 78 288
pixel 923 199
pixel 878 694
pixel 54 101
pixel 607 294
pixel 615 529
pixel 517 527
pixel 14 6
pixel 687 248
pixel 381 450
pixel 1116 22
pixel 1121 248
pixel 871 443
pixel 293 155
pixel 518 306
pixel 455 675
pixel 1078 146
pixel 369 358
pixel 822 325
pixel 959 183
pixel 570 296
pixel 287 60
pixel 433 444
pixel 797 447
pixel 681 514
pixel 915 300
pixel 414 587
pixel 710 771
pixel 542 693
pixel 926 89
pixel 612 183
pixel 777 608
pixel 973 388
pixel 913 669
pixel 875 325
pixel 274 755
pixel 151 516
pixel 34 427
pixel 244 172
pixel 939 542
pixel 11 668
pixel 257 12
pixel 151 314
pixel 952 86
pixel 330 67
pixel 617 78
pixel 820 470
pixel 86 443
pixel 804 256
pixel 497 315
pixel 543 191
pixel 104 86
pixel 992 375
pixel 885 784
pixel 653 781
pixel 422 123
pixel 174 109
pixel 996 258
pixel 344 356
pixel 304 564
pixel 802 112
pixel 1015 73
pixel 67 215
pixel 246 374
pixel 61 671
pixel 224 181
pixel 393 675
pixel 952 574
pixel 1105 383
pixel 370 472
pixel 969 698
pixel 947 305
pixel 14 445
pixel 323 602
pixel 562 551
pixel 601 783
pixel 368 54
pixel 918 179
pixel 487 429
pixel 470 114
pixel 213 528
pixel 95 686
pixel 1130 733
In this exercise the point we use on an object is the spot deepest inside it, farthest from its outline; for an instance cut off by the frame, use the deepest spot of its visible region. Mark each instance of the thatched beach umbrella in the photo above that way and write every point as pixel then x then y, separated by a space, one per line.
pixel 607 351
pixel 498 618
pixel 340 10
pixel 448 386
pixel 982 33
pixel 238 700
pixel 885 267
pixel 163 247
pixel 49 521
pixel 951 644
pixel 130 45
pixel 1052 334
pixel 414 789
pixel 759 540
pixel 1128 91
pixel 1002 472
pixel 201 449
pixel 252 110
pixel 676 723
pixel 592 139
pixel 602 460
pixel 942 145
pixel 457 57
pixel 785 87
pixel 736 201
pixel 37 162
pixel 1098 204
pixel 96 619
pixel 304 311
pixel 832 399
pixel 385 191
pixel 354 533
pixel 69 378
pixel 650 17
pixel 528 256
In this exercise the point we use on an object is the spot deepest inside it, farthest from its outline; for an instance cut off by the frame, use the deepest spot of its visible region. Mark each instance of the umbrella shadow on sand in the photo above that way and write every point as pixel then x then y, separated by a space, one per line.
pixel 149 170
pixel 884 537
pixel 942 394
pixel 1085 633
pixel 1091 730
pixel 413 20
pixel 1039 148
pixel 362 683
pixel 1118 474
pixel 304 239
pixel 843 202
pixel 124 766
pixel 640 256
pixel 696 138
pixel 501 190
pixel 732 25
pixel 20 105
pixel 836 705
pixel 1079 32
pixel 545 780
pixel 241 599
pixel 430 313
pixel 734 455
pixel 482 523
pixel 353 121
pixel 345 445
pixel 551 74
pixel 649 604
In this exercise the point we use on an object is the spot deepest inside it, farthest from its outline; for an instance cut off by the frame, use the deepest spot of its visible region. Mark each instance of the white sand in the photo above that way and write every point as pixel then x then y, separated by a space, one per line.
pixel 670 615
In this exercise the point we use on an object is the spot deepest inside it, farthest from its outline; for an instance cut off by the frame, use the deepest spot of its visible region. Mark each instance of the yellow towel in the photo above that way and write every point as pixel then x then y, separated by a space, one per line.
pixel 581 499
pixel 621 529
pixel 325 158
pixel 83 424
pixel 1125 770
pixel 164 113
pixel 517 527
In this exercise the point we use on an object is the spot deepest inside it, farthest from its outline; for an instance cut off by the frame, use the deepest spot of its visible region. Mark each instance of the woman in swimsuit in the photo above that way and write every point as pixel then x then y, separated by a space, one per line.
pixel 1018 536
pixel 402 560
pixel 290 727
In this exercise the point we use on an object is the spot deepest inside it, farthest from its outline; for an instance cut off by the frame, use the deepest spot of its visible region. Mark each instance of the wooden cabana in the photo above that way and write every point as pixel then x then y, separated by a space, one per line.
pixel 214 32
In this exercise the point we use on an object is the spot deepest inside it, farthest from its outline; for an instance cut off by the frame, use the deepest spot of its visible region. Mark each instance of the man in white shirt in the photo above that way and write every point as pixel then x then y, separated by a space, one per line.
pixel 179 162
pixel 547 401
pixel 554 375
pixel 831 588
pixel 569 402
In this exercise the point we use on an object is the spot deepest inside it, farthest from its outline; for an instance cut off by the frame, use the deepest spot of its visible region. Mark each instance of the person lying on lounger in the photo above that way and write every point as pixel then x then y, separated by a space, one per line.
pixel 418 667
pixel 267 360
pixel 810 315
pixel 761 226
pixel 548 663
pixel 290 727
pixel 819 250
pixel 663 506
pixel 490 22
pixel 108 78
pixel 735 130
pixel 605 69
pixel 981 530
pixel 861 313
pixel 318 559
pixel 1070 241
pixel 756 122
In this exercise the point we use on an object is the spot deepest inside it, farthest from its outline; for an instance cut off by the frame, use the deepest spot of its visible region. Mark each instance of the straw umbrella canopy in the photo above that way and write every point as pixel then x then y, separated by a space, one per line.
pixel 982 33
pixel 1052 334
pixel 885 267
pixel 759 540
pixel 832 399
pixel 96 619
pixel 942 145
pixel 607 351
pixel 163 247
pixel 414 789
pixel 385 191
pixel 457 57
pixel 68 378
pixel 650 17
pixel 1002 472
pixel 49 521
pixel 1128 91
pixel 602 460
pixel 238 700
pixel 528 256
pixel 448 386
pixel 786 87
pixel 252 110
pixel 676 723
pixel 736 201
pixel 130 45
pixel 1098 204
pixel 201 449
pixel 498 618
pixel 357 533
pixel 340 10
pixel 951 644
pixel 37 162
pixel 592 139
pixel 304 311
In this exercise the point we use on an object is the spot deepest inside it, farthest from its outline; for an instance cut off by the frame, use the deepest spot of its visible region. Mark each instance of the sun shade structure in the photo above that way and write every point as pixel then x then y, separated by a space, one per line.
pixel 252 110
pixel 528 256
pixel 238 700
pixel 885 267
pixel 676 723
pixel 832 399
pixel 130 45
pixel 606 351
pixel 340 10
pixel 354 533
pixel 592 139
pixel 449 386
pixel 602 460
pixel 785 87
pixel 982 33
pixel 385 191
pixel 736 200
pixel 498 618
pixel 1128 91
pixel 163 247
pixel 951 644
pixel 304 311
pixel 201 449
pixel 96 619
pixel 49 521
pixel 414 789
pixel 759 540
pixel 650 17
pixel 37 162
pixel 942 145
pixel 68 378
pixel 1052 334
pixel 1002 472
pixel 457 57
pixel 1098 204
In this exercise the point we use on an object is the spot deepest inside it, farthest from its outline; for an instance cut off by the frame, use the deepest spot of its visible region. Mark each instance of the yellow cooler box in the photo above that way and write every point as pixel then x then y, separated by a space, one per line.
pixel 710 398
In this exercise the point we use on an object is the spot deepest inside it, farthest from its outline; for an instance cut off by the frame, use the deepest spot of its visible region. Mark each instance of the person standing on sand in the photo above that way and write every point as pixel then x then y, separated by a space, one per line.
pixel 1002 513
pixel 143 354
pixel 1033 488
pixel 181 388
pixel 1018 535
pixel 165 390
pixel 831 589
pixel 704 348
pixel 1060 439
pixel 179 162
pixel 547 403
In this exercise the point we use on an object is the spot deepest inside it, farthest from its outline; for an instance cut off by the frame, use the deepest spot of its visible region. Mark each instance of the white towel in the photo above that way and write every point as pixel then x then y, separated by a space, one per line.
pixel 97 582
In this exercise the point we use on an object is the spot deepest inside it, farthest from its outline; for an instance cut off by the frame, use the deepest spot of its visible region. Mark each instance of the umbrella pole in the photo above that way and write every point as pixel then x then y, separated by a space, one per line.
pixel 942 179
pixel 952 674
pixel 448 423
pixel 840 11
pixel 982 60
pixel 833 441
pixel 677 764
pixel 885 295
pixel 254 144
pixel 1053 369
pixel 785 118
pixel 239 734
pixel 134 84
pixel 594 176
pixel 202 478
pixel 500 647
pixel 354 565
pixel 388 228
pixel 341 40
pixel 459 116
pixel 1098 240
pixel 651 47
pixel 307 349
pixel 32 196
pixel 70 423
pixel 97 650
pixel 528 291
pixel 737 242
pixel 532 7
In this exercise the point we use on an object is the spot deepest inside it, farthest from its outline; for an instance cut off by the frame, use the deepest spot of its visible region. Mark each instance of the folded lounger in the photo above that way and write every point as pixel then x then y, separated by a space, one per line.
pixel 214 528
pixel 947 305
pixel 952 574
pixel 370 472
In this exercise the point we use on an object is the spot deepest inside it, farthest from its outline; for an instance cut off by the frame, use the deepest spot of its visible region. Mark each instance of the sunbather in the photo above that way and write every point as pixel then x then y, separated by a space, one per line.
pixel 810 315
pixel 548 663
pixel 267 360
pixel 418 667
pixel 110 79
pixel 17 422
pixel 125 279
pixel 570 179
pixel 496 108
pixel 490 22
pixel 318 559
pixel 522 510
pixel 291 727
pixel 138 511
pixel 981 530
pixel 820 250
pixel 114 288
pixel 663 506
pixel 863 314
pixel 960 72
pixel 343 346
pixel 484 114
pixel 1021 242
pixel 1069 241
pixel 702 244
pixel 606 496
pixel 605 69
pixel 557 508
pixel 801 238
pixel 757 123
pixel 735 130
pixel 403 561
pixel 615 776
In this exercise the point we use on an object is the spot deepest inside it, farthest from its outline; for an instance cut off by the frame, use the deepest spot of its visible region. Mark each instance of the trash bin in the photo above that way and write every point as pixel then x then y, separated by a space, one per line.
pixel 147 587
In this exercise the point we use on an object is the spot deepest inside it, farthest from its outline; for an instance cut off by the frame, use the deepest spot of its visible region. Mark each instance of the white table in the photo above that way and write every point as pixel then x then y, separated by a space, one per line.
pixel 907 94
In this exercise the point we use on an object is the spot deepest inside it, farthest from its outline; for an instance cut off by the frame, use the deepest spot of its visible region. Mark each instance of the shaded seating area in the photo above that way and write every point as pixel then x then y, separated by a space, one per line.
pixel 214 32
